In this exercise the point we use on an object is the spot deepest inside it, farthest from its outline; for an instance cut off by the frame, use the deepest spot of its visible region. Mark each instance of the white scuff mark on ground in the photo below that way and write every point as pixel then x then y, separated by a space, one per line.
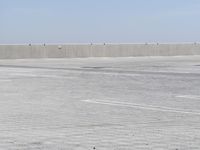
pixel 140 106
pixel 189 96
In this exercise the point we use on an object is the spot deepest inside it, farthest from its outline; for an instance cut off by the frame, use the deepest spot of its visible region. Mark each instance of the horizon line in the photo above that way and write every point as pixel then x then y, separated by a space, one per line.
pixel 103 43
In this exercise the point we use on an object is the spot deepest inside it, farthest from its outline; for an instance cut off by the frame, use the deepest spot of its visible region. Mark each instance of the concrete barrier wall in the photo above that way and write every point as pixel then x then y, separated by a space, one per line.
pixel 96 50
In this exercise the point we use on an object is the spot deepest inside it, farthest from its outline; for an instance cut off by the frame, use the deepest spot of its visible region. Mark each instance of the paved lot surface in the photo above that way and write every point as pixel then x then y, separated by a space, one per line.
pixel 149 103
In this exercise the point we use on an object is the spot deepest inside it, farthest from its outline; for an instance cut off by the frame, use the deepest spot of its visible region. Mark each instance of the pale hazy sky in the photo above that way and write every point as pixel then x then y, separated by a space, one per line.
pixel 110 21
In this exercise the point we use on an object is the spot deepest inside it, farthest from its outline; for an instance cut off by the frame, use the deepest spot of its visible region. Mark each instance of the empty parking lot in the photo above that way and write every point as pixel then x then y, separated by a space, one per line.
pixel 100 103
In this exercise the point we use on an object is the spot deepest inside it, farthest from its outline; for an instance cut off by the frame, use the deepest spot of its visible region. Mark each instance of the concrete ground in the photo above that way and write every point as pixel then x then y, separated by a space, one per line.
pixel 148 103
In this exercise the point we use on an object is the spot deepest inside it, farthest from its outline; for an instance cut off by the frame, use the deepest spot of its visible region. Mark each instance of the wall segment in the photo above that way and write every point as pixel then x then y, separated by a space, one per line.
pixel 96 50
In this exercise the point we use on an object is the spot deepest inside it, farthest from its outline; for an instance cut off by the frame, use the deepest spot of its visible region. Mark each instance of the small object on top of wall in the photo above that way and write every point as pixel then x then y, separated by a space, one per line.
pixel 59 46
